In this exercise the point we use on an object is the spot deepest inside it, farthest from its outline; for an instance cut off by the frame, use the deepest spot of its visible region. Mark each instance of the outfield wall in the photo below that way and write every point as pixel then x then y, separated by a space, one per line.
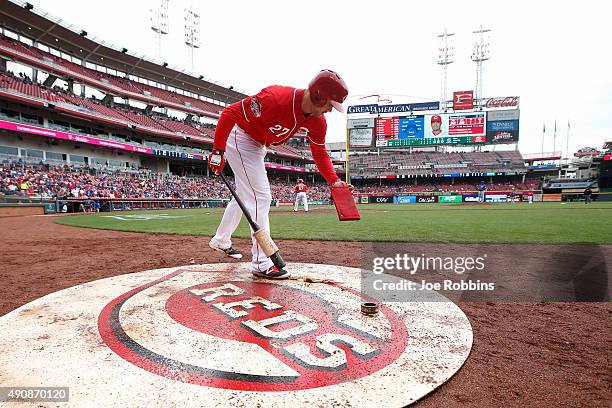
pixel 445 198
pixel 472 197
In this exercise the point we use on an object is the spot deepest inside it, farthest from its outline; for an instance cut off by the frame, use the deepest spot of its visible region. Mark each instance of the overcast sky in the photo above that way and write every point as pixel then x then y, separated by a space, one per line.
pixel 550 53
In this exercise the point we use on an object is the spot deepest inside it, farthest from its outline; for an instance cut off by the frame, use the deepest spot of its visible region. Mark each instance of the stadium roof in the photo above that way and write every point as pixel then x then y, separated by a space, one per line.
pixel 32 22
pixel 531 157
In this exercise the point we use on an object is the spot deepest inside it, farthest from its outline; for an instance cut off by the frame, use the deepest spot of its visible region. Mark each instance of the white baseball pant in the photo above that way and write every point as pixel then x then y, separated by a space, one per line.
pixel 301 198
pixel 246 156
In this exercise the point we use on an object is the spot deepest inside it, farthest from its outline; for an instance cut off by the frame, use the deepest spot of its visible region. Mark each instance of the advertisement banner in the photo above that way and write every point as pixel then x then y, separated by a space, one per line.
pixel 467 124
pixel 496 198
pixel 177 155
pixel 404 199
pixel 283 167
pixel 503 102
pixel 361 137
pixel 360 123
pixel 512 114
pixel 380 199
pixel 503 126
pixel 449 199
pixel 551 197
pixel 427 199
pixel 470 198
pixel 364 199
pixel 402 108
pixel 56 134
pixel 463 100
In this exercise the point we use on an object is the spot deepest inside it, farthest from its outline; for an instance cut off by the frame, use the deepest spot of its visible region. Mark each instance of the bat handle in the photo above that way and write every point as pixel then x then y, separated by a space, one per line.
pixel 277 260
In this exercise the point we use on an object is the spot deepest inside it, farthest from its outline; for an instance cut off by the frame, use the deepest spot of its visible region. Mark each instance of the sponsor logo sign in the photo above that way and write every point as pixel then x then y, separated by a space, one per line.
pixel 496 198
pixel 361 137
pixel 401 108
pixel 178 155
pixel 381 199
pixel 360 123
pixel 449 199
pixel 503 102
pixel 463 100
pixel 404 199
pixel 291 336
pixel 56 134
pixel 426 199
pixel 470 198
pixel 503 126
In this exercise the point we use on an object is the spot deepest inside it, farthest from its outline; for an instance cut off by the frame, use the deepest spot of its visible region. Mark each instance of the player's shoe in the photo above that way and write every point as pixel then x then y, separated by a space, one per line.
pixel 272 273
pixel 230 252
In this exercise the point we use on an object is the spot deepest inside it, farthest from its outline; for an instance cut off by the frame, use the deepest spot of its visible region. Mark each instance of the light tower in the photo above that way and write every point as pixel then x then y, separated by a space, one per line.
pixel 192 31
pixel 445 57
pixel 480 53
pixel 159 23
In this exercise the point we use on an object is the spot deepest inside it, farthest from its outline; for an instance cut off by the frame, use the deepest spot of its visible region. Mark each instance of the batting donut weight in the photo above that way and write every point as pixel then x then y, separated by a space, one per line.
pixel 369 308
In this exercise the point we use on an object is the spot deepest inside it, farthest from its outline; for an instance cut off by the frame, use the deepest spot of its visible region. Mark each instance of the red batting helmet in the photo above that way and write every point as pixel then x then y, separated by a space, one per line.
pixel 328 86
pixel 436 118
pixel 300 181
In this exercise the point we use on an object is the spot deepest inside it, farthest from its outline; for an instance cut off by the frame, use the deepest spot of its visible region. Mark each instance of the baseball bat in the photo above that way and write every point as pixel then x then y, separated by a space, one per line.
pixel 261 235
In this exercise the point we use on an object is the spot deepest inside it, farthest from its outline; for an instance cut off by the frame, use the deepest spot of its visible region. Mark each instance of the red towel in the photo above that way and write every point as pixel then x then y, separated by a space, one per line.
pixel 345 204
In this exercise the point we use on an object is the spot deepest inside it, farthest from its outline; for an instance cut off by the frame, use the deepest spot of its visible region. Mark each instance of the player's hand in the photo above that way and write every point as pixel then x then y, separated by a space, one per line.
pixel 341 183
pixel 216 161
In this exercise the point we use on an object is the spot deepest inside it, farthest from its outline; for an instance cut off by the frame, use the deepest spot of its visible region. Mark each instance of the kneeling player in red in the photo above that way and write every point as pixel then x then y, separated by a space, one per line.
pixel 244 130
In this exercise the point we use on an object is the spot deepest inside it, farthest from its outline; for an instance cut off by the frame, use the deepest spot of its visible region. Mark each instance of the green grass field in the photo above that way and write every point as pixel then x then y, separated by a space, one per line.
pixel 555 223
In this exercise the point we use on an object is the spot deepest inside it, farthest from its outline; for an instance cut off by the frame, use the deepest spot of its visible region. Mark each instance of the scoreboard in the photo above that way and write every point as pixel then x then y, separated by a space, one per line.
pixel 437 129
pixel 387 128
pixel 430 129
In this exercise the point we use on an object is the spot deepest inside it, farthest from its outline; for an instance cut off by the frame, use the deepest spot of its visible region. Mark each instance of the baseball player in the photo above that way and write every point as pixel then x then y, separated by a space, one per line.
pixel 300 189
pixel 482 192
pixel 436 125
pixel 244 130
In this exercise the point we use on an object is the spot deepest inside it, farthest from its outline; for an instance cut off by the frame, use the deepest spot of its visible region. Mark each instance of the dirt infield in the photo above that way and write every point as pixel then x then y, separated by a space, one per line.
pixel 524 354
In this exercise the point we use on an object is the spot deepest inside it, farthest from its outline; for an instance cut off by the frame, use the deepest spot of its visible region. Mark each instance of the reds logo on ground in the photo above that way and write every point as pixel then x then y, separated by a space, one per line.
pixel 250 335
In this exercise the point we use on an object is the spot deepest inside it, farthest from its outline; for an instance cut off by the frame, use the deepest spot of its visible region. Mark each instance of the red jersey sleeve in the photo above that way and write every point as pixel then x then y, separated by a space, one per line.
pixel 250 110
pixel 320 154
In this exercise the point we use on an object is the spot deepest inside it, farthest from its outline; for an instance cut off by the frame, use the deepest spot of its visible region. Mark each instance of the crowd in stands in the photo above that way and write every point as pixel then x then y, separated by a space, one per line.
pixel 57 182
pixel 446 186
